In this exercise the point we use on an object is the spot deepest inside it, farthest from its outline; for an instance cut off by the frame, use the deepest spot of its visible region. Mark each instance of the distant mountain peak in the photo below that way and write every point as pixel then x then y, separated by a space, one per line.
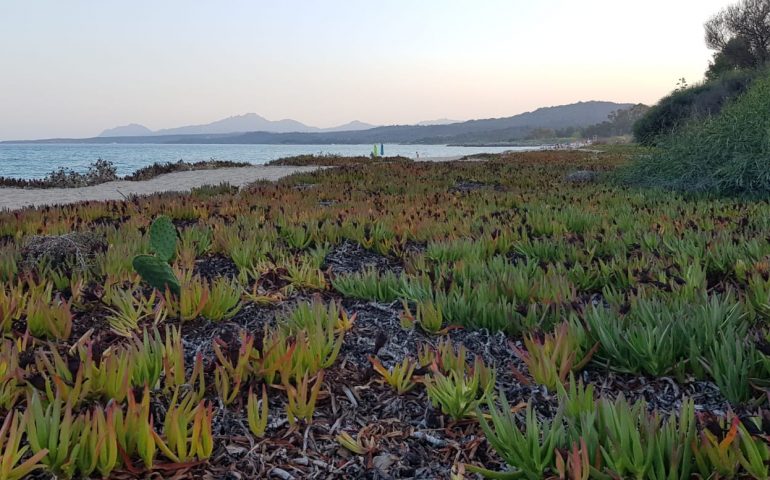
pixel 130 130
pixel 246 116
pixel 350 127
pixel 247 122
pixel 438 121
pixel 249 127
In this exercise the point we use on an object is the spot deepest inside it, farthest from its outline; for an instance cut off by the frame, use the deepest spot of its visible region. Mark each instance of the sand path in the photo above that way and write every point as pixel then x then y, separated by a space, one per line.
pixel 439 159
pixel 15 198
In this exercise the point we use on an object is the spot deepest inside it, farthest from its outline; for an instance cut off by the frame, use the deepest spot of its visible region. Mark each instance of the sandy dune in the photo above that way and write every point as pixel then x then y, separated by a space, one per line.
pixel 14 198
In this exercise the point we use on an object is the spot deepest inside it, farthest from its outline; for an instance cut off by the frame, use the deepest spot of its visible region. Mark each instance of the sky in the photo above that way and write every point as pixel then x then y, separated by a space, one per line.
pixel 73 68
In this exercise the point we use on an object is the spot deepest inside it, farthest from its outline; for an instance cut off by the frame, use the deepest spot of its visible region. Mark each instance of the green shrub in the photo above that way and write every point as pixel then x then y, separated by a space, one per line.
pixel 684 105
pixel 728 154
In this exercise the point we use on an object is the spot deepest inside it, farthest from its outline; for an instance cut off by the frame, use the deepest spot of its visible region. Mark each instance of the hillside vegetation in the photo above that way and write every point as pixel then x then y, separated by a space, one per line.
pixel 725 154
pixel 691 103
pixel 492 130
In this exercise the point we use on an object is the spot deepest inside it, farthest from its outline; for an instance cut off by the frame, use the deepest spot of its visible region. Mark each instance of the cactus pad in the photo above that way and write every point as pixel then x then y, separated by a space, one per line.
pixel 163 238
pixel 156 273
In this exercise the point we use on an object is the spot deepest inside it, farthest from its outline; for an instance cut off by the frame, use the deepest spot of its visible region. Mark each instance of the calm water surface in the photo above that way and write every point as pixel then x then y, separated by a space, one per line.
pixel 37 160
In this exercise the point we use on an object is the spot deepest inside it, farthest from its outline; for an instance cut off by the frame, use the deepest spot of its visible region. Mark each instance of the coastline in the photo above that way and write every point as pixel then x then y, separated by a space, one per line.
pixel 12 198
pixel 15 198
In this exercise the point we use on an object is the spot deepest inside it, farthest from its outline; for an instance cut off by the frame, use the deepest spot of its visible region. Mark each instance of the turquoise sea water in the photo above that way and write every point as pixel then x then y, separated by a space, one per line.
pixel 37 160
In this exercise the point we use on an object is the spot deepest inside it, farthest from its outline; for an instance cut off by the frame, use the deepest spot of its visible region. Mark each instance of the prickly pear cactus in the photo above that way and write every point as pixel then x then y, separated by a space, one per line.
pixel 163 238
pixel 157 273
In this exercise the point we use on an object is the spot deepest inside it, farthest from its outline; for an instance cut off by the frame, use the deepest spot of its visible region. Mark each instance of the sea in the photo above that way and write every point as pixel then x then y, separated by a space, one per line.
pixel 31 160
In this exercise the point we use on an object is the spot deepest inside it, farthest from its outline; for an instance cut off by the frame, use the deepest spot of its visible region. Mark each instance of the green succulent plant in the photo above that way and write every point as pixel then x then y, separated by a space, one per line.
pixel 155 269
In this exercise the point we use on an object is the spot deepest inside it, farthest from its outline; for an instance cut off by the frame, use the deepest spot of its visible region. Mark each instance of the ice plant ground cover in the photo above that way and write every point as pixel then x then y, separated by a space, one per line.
pixel 390 320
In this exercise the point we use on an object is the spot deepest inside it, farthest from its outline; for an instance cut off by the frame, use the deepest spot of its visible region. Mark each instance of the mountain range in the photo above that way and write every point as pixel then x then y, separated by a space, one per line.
pixel 254 129
pixel 249 122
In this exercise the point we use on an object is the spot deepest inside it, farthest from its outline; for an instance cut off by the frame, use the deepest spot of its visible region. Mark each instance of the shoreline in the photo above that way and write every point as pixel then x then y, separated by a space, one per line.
pixel 12 198
pixel 17 198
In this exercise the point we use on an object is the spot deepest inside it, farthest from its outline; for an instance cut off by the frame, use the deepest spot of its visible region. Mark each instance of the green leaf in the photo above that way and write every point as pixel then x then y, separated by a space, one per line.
pixel 494 475
pixel 157 273
pixel 163 238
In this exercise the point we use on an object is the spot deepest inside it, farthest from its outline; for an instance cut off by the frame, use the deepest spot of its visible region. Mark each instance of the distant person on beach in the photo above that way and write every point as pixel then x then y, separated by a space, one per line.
pixel 417 155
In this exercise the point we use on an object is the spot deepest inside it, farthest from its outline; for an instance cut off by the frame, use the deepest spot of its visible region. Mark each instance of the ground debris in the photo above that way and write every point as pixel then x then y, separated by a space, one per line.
pixel 350 257
pixel 72 250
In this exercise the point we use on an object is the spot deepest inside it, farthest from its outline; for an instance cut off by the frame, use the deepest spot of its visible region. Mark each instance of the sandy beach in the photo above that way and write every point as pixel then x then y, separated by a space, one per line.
pixel 15 198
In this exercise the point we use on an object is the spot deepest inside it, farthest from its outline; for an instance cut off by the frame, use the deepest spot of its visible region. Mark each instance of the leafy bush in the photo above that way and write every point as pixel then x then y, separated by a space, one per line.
pixel 152 171
pixel 100 171
pixel 103 171
pixel 686 104
pixel 728 154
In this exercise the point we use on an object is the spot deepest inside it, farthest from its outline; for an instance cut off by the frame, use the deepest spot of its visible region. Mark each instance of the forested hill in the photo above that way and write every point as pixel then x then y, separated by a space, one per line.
pixel 495 130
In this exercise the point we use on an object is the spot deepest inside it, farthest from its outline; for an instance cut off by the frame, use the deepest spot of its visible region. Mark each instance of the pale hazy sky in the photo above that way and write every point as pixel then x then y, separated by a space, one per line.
pixel 70 68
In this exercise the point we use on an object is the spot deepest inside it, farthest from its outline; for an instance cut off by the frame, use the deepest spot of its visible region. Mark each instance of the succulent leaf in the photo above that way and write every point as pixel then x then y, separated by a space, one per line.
pixel 163 238
pixel 156 273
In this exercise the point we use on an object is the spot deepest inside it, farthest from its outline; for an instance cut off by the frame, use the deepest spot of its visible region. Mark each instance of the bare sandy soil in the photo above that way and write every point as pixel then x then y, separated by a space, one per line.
pixel 15 198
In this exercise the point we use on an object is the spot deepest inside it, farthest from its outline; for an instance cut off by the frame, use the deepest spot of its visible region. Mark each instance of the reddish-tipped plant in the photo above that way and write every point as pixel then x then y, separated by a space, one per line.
pixel 399 376
pixel 551 358
pixel 229 375
pixel 257 411
pixel 303 398
pixel 134 431
pixel 12 452
pixel 186 430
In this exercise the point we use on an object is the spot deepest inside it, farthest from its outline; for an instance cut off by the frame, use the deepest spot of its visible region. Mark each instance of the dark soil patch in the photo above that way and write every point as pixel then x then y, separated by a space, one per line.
pixel 465 186
pixel 378 325
pixel 415 247
pixel 215 266
pixel 107 221
pixel 353 401
pixel 350 257
pixel 199 333
pixel 96 320
pixel 663 393
pixel 364 411
pixel 182 223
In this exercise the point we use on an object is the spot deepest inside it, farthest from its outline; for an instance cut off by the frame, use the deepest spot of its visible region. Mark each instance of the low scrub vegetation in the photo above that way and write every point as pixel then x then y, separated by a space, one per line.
pixel 691 103
pixel 535 329
pixel 332 160
pixel 103 171
pixel 725 154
